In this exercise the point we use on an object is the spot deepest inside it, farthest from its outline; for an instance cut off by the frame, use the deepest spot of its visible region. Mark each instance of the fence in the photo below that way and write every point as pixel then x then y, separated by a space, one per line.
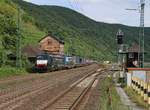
pixel 142 88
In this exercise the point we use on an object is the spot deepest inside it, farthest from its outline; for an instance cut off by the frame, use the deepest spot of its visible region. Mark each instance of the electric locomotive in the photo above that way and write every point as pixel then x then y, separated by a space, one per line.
pixel 46 62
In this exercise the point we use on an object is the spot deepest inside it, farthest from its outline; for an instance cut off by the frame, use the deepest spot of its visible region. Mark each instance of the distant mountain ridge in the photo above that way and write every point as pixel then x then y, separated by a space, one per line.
pixel 82 35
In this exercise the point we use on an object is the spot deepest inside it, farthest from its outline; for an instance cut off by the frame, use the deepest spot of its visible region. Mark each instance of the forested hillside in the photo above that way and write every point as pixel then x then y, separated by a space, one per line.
pixel 83 36
pixel 9 29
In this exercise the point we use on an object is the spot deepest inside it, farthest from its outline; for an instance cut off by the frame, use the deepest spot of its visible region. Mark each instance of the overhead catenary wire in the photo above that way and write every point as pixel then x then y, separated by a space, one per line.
pixel 74 4
pixel 78 5
pixel 70 4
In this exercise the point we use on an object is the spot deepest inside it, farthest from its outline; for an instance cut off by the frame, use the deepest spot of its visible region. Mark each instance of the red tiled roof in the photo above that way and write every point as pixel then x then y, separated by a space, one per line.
pixel 49 35
pixel 134 48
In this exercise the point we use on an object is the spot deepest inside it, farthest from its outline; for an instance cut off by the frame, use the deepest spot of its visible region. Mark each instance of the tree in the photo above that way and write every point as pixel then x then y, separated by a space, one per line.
pixel 8 31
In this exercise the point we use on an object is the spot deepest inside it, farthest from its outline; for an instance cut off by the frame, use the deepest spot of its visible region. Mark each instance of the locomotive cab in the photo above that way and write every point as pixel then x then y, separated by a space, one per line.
pixel 43 62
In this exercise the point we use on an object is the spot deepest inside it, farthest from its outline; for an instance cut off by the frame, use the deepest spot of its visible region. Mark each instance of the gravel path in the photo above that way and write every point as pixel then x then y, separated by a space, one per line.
pixel 125 99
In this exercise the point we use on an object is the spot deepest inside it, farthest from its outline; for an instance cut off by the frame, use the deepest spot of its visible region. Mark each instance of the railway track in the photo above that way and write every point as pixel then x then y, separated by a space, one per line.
pixel 71 97
pixel 14 100
pixel 91 100
pixel 23 83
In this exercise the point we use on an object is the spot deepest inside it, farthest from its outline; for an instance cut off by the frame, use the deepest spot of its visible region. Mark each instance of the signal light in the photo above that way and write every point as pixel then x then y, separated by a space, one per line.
pixel 120 37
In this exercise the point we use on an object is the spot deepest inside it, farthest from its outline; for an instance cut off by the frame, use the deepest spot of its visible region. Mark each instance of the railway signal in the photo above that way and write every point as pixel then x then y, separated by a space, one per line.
pixel 122 49
pixel 120 35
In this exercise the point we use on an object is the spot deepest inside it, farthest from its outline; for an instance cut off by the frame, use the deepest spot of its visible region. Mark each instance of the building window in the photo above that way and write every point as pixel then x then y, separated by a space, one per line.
pixel 131 55
pixel 49 42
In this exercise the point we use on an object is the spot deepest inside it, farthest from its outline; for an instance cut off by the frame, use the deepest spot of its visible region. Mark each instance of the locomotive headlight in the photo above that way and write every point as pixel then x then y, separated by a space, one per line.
pixel 42 63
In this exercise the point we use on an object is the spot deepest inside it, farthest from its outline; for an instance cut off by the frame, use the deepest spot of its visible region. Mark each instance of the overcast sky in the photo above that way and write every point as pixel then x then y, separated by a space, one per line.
pixel 110 11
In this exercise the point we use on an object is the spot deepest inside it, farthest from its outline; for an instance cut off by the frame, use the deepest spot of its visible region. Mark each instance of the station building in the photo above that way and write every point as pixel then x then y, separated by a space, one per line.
pixel 52 45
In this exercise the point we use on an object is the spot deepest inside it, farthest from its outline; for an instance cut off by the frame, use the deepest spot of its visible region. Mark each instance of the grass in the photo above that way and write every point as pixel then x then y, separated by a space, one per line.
pixel 11 71
pixel 110 100
pixel 136 98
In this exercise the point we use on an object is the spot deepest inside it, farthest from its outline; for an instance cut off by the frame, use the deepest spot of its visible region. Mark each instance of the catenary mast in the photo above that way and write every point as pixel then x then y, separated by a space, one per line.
pixel 141 33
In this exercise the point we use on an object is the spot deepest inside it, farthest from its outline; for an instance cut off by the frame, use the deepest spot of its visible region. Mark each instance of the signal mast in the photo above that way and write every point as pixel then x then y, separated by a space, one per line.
pixel 142 3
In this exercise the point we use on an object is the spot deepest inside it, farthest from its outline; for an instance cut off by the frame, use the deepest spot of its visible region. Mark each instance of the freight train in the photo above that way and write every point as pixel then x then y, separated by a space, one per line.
pixel 47 62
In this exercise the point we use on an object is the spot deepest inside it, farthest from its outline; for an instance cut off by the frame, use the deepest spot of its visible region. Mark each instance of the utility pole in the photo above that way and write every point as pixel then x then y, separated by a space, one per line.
pixel 18 38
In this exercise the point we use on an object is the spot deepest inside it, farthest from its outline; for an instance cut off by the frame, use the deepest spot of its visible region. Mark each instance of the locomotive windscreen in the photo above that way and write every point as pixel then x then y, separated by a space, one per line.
pixel 42 57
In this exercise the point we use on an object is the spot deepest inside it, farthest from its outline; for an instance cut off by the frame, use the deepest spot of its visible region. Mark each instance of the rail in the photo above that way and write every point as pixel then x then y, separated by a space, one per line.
pixel 75 95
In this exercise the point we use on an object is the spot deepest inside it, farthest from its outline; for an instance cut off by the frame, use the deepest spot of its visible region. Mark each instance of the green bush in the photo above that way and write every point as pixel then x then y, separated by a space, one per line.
pixel 136 98
pixel 11 71
pixel 109 98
